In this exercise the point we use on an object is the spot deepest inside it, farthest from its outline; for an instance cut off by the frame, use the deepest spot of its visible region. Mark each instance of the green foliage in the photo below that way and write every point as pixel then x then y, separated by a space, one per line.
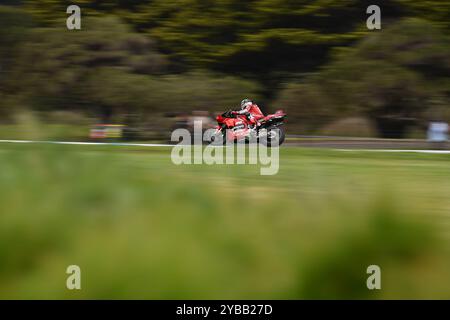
pixel 55 65
pixel 243 35
pixel 14 26
pixel 108 69
pixel 270 42
pixel 334 270
pixel 141 227
pixel 194 91
pixel 393 77
pixel 64 57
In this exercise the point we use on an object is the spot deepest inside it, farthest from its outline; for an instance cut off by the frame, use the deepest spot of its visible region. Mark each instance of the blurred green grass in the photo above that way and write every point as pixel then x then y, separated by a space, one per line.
pixel 141 227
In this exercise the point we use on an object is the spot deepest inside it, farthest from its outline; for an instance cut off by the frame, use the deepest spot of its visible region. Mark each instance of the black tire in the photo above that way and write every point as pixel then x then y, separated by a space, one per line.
pixel 275 136
pixel 215 142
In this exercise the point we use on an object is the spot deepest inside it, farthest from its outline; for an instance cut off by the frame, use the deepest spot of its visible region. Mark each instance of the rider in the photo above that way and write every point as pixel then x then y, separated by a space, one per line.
pixel 251 111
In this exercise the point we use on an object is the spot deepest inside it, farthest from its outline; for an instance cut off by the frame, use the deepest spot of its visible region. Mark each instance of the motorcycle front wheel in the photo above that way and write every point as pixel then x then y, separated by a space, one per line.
pixel 218 139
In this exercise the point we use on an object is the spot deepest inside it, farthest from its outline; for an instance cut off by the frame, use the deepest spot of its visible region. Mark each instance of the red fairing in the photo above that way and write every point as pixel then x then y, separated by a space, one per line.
pixel 279 113
pixel 233 122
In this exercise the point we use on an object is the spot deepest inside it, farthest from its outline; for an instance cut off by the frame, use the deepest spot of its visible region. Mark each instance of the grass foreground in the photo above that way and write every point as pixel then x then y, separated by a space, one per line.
pixel 141 227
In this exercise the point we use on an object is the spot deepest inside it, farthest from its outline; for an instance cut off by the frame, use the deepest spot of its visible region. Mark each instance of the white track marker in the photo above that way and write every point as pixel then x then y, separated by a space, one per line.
pixel 91 143
pixel 396 150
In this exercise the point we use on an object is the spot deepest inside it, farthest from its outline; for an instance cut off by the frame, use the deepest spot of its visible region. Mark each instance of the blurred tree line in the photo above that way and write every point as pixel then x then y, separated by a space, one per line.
pixel 398 78
pixel 315 58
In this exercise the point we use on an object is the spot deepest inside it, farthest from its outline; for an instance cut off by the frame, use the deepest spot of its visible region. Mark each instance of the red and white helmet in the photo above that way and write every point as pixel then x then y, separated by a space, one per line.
pixel 245 103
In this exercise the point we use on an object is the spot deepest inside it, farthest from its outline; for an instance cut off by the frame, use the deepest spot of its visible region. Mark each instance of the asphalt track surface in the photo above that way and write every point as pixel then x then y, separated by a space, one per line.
pixel 150 145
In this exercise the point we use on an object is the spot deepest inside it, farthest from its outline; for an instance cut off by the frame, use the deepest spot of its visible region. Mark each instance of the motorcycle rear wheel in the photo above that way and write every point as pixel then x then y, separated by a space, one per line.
pixel 275 136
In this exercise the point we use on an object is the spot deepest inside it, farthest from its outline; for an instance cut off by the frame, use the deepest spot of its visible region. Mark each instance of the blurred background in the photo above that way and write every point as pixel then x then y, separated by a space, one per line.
pixel 141 227
pixel 148 65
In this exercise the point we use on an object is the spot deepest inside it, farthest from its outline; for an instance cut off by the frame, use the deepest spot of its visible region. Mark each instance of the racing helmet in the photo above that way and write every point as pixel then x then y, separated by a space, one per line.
pixel 245 103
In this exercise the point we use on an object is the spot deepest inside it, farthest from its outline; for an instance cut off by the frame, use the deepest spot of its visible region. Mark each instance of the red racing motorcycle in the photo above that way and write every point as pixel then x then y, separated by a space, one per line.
pixel 233 128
